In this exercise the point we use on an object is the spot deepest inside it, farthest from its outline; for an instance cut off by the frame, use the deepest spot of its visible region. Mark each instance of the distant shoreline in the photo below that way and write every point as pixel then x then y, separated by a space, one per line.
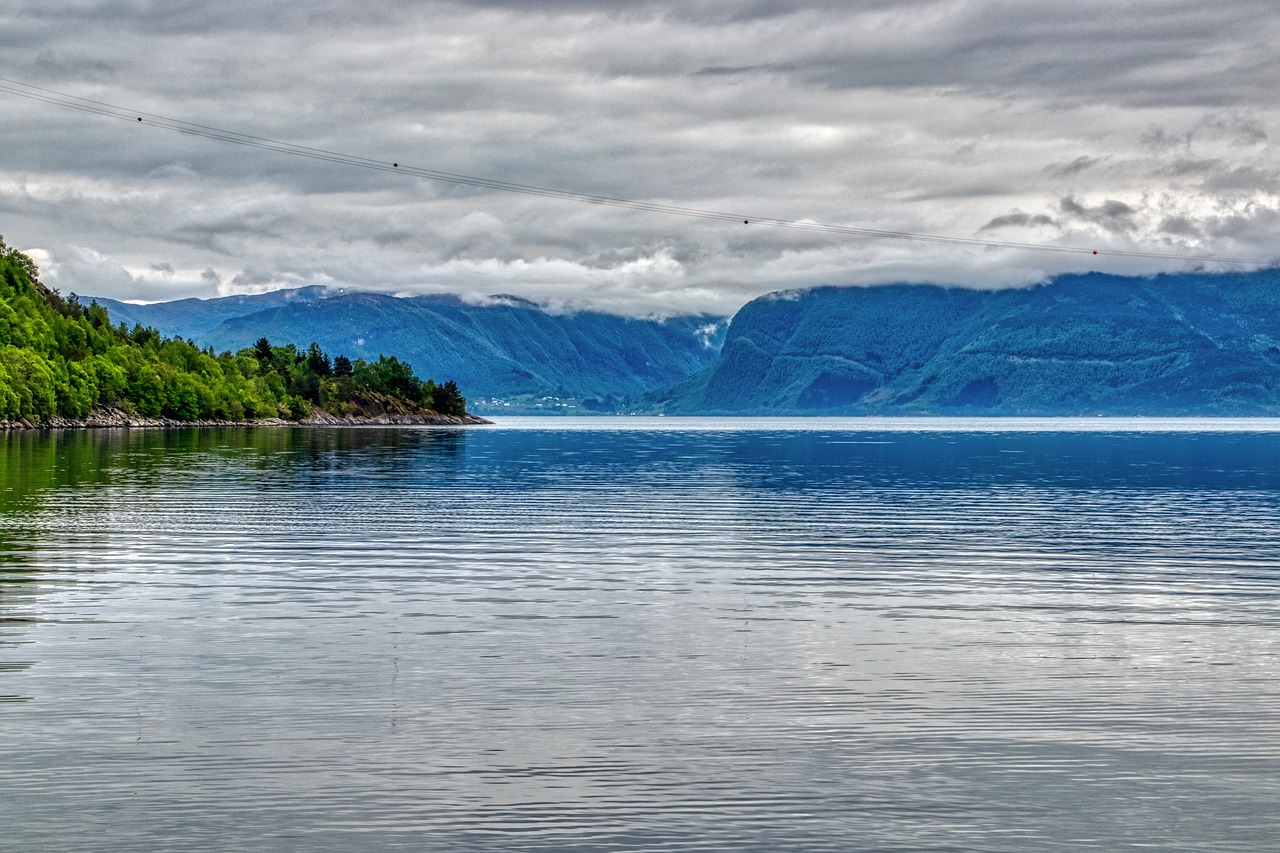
pixel 119 419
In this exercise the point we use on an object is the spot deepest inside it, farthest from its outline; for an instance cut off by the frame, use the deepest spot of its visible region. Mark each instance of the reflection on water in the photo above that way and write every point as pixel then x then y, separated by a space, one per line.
pixel 690 636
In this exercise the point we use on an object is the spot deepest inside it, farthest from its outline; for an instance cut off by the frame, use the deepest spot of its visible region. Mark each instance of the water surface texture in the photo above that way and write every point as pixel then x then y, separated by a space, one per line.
pixel 656 635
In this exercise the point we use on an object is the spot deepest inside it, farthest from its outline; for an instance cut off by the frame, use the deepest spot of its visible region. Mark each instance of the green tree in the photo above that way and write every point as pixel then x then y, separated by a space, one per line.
pixel 61 358
pixel 448 399
pixel 317 362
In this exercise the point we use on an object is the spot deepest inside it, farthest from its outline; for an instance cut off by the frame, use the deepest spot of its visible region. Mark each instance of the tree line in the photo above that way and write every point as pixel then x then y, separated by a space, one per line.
pixel 59 357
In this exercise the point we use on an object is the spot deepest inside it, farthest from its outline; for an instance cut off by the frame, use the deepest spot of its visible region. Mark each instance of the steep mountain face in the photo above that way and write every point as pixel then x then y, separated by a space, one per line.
pixel 1088 344
pixel 505 347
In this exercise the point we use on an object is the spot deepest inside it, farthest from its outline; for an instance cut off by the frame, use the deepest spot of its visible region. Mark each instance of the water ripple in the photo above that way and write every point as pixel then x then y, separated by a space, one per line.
pixel 601 636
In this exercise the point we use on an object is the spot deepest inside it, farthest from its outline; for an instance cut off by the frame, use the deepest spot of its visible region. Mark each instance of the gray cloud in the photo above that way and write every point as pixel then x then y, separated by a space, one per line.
pixel 939 117
pixel 1075 167
pixel 1159 138
pixel 1179 226
pixel 1111 215
pixel 1239 129
pixel 1243 179
pixel 1017 220
pixel 1190 167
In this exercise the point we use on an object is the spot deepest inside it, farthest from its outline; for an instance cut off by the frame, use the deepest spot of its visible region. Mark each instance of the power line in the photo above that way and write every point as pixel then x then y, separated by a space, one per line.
pixel 102 108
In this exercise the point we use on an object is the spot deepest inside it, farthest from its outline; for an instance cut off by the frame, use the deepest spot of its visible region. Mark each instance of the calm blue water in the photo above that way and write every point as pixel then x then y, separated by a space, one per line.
pixel 643 634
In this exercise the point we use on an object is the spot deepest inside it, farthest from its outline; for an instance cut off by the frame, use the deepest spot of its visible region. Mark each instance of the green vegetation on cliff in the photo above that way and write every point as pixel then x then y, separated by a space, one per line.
pixel 62 359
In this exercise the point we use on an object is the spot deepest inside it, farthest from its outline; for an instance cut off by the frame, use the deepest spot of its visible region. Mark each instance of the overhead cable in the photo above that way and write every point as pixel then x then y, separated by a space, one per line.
pixel 101 108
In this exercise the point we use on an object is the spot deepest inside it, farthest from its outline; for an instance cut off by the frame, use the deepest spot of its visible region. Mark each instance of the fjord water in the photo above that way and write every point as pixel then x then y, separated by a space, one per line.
pixel 643 634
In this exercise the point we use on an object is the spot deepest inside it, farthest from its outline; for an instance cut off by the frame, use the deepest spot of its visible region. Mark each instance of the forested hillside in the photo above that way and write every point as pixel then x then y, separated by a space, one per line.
pixel 60 359
pixel 501 347
pixel 1185 344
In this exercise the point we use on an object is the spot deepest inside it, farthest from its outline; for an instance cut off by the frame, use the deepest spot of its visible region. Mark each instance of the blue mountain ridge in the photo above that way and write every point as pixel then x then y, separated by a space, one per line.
pixel 502 347
pixel 193 318
pixel 1179 344
pixel 1184 344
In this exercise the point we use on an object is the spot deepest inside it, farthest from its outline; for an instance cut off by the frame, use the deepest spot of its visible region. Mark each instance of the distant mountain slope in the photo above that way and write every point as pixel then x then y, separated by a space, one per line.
pixel 505 347
pixel 1085 344
pixel 193 318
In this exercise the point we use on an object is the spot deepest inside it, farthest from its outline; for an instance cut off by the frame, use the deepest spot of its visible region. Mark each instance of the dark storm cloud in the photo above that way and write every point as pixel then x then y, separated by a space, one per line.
pixel 1131 121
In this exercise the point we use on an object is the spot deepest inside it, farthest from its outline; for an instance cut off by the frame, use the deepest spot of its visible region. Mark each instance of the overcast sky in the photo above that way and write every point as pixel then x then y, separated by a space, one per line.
pixel 1138 125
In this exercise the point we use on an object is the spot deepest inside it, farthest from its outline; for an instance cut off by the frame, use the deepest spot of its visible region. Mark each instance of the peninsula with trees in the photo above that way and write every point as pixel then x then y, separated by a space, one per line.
pixel 64 364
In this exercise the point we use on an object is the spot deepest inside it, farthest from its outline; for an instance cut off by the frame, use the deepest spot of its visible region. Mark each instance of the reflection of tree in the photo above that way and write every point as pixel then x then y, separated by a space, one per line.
pixel 304 458
pixel 25 471
pixel 32 466
pixel 35 465
pixel 16 572
pixel 16 587
pixel 32 463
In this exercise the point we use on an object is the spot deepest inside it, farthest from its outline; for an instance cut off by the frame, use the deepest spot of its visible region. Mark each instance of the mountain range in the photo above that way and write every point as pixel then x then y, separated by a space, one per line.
pixel 500 348
pixel 1179 344
pixel 1186 344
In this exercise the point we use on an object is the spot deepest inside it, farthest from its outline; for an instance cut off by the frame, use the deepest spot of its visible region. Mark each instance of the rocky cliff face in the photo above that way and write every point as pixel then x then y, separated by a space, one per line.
pixel 1088 344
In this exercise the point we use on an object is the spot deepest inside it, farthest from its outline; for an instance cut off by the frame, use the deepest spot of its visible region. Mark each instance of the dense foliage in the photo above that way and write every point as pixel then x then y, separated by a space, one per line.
pixel 59 358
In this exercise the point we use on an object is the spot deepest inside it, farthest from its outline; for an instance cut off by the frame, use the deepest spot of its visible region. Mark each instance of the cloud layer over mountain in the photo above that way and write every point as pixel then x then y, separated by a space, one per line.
pixel 1132 125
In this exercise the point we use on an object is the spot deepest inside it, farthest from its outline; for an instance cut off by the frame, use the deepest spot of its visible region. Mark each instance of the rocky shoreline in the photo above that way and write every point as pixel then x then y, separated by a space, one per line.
pixel 119 419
